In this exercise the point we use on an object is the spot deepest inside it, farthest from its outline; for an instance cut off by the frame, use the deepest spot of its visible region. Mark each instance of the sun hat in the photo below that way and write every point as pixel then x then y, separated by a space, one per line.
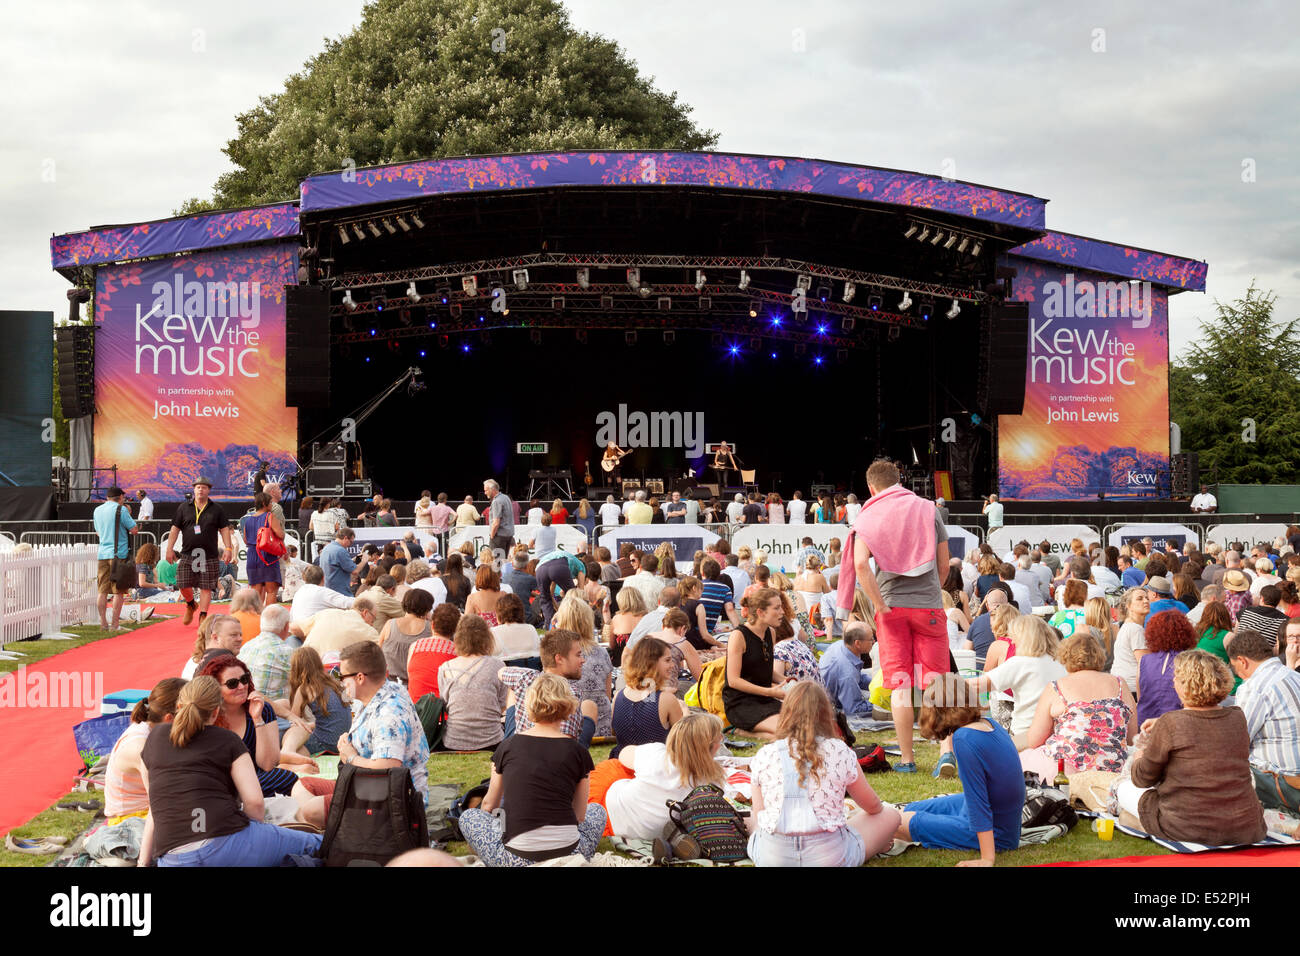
pixel 1236 581
pixel 1160 585
pixel 203 480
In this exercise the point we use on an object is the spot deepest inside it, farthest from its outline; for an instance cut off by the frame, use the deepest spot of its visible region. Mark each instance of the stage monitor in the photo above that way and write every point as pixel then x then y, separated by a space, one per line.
pixel 27 409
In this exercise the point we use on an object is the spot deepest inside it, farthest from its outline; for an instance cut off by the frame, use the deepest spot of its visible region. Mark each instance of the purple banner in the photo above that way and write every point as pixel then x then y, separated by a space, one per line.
pixel 1116 260
pixel 207 231
pixel 404 181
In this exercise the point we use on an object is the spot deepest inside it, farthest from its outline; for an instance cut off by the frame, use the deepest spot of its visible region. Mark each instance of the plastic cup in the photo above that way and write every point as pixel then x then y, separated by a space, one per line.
pixel 1104 828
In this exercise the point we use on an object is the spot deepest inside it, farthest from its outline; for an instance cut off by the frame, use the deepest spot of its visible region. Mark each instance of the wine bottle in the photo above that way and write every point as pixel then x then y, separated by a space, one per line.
pixel 1062 782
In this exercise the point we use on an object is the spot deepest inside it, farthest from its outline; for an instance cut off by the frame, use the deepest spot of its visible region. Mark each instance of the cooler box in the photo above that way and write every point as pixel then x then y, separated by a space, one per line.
pixel 122 701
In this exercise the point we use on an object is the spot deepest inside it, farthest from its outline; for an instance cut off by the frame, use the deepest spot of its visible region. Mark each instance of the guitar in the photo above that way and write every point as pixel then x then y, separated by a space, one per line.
pixel 587 473
pixel 610 463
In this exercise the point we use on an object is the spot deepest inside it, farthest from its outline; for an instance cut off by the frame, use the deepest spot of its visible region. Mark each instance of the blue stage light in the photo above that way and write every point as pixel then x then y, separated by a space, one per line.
pixel 821 329
pixel 734 349
pixel 773 355
pixel 817 360
pixel 433 325
pixel 421 353
pixel 372 331
pixel 465 347
pixel 776 321
pixel 367 358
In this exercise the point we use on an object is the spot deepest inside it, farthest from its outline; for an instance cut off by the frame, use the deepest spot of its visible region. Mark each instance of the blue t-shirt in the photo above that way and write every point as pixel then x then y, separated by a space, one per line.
pixel 841 672
pixel 338 567
pixel 1134 577
pixel 993 782
pixel 714 595
pixel 105 516
pixel 981 636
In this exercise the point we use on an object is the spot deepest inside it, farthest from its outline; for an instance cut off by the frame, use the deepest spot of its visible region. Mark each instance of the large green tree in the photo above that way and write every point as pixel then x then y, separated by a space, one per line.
pixel 431 78
pixel 1238 382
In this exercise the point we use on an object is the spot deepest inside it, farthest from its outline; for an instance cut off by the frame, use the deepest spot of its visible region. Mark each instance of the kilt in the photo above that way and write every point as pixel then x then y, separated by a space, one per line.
pixel 205 580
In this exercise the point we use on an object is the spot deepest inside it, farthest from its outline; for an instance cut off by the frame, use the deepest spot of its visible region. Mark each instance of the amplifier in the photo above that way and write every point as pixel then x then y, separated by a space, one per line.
pixel 654 486
pixel 357 489
pixel 330 453
pixel 630 484
pixel 818 490
pixel 325 480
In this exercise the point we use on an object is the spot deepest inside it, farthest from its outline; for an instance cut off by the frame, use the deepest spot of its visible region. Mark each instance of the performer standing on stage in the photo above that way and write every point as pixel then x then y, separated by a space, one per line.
pixel 612 462
pixel 724 463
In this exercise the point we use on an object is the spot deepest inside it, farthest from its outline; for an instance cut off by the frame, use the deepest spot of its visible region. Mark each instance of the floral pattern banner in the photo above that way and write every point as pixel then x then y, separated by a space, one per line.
pixel 1116 260
pixel 404 181
pixel 208 231
pixel 190 368
pixel 1096 415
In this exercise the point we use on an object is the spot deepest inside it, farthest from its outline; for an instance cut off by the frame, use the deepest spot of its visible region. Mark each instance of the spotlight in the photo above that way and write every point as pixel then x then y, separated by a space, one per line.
pixel 423 353
pixel 380 300
pixel 905 302
pixel 975 249
pixel 753 308
pixel 700 279
pixel 822 328
pixel 954 311
pixel 952 238
pixel 412 293
pixel 535 336
pixel 633 279
pixel 817 360
pixel 911 231
pixel 823 292
pixel 925 310
pixel 607 302
pixel 455 310
pixel 849 291
pixel 965 241
pixel 670 337
pixel 744 280
pixel 356 231
pixel 415 218
pixel 848 323
pixel 444 341
pixel 394 345
pixel 705 303
pixel 644 291
pixel 404 316
pixel 374 230
pixel 776 321
pixel 629 337
pixel 803 282
pixel 392 230
pixel 469 285
pixel 581 336
pixel 874 302
pixel 842 356
pixel 925 234
pixel 464 347
pixel 521 279
pixel 664 303
pixel 343 234
pixel 557 303
pixel 348 301
pixel 938 236
pixel 584 278
pixel 772 355
pixel 895 332
pixel 733 349
pixel 406 226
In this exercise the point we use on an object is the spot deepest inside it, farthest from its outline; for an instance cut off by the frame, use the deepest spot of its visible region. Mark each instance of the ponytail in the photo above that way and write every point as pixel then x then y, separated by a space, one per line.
pixel 199 700
pixel 160 703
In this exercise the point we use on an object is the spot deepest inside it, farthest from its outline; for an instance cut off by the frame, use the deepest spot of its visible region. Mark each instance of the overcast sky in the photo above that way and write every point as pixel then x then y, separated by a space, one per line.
pixel 1134 121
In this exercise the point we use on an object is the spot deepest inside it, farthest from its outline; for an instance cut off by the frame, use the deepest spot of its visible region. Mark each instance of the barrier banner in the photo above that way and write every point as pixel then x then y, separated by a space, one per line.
pixel 1058 536
pixel 1096 412
pixel 783 541
pixel 189 370
pixel 1160 534
pixel 685 540
pixel 567 536
pixel 1248 534
pixel 960 542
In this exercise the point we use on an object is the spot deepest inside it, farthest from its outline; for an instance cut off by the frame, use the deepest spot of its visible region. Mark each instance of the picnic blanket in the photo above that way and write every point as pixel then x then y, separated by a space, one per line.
pixel 1273 839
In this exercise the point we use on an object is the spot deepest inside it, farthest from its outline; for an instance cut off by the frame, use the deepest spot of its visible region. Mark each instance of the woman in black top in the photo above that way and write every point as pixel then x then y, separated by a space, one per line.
pixel 197 775
pixel 541 776
pixel 752 701
pixel 698 633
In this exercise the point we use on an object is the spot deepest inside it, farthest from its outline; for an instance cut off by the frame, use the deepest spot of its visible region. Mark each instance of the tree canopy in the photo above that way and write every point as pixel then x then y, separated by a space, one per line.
pixel 1237 382
pixel 421 79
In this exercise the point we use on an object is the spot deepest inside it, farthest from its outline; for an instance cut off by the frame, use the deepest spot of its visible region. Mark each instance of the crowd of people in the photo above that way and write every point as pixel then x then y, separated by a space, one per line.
pixel 1162 667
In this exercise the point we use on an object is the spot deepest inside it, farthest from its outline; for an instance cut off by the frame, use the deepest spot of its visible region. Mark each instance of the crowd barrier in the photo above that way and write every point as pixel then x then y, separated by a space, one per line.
pixel 47 589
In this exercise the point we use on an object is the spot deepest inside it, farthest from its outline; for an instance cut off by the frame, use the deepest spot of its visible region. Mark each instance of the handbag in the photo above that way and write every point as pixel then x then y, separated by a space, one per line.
pixel 121 571
pixel 269 542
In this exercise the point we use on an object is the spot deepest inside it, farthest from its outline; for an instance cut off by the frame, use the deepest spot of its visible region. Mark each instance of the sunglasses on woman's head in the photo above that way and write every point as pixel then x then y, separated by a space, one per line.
pixel 236 681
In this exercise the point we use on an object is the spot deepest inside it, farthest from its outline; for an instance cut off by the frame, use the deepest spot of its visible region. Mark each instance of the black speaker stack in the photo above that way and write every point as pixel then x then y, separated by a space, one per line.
pixel 1010 347
pixel 1185 474
pixel 76 349
pixel 307 346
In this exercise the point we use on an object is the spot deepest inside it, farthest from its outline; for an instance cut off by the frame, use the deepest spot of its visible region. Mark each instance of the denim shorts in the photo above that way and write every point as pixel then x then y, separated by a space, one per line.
pixel 842 847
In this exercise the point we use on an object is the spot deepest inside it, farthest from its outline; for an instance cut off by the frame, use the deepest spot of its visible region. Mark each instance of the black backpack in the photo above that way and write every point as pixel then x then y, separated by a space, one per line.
pixel 432 711
pixel 1047 806
pixel 375 815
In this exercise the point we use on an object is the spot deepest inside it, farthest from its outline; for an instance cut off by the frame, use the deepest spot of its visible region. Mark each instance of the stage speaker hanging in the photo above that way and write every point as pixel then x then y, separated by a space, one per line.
pixel 76 348
pixel 307 346
pixel 1185 474
pixel 1010 348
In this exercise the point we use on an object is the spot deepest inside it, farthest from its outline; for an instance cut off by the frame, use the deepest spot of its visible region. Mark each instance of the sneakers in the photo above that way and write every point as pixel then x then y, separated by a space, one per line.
pixel 898 847
pixel 190 608
pixel 905 767
pixel 946 768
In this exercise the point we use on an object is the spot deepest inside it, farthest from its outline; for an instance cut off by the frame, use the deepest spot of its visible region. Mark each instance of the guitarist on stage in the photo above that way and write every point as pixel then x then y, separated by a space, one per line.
pixel 612 462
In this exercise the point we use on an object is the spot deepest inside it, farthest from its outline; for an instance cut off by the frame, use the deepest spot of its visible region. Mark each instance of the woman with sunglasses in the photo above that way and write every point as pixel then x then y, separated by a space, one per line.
pixel 250 717
pixel 197 778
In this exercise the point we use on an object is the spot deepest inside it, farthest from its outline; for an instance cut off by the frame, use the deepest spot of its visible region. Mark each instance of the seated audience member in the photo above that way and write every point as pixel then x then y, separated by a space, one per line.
pixel 427 655
pixel 841 669
pixel 673 633
pixel 387 731
pixel 523 584
pixel 980 637
pixel 1130 642
pixel 561 653
pixel 1269 697
pixel 1236 593
pixel 146 559
pixel 483 601
pixel 1101 625
pixel 653 621
pixel 1168 634
pixel 541 774
pixel 1086 718
pixel 1263 615
pixel 631 608
pixel 1210 594
pixel 1002 648
pixel 515 642
pixel 1072 616
pixel 646 708
pixel 1025 675
pixel 716 595
pixel 191 765
pixel 795 658
pixel 799 786
pixel 597 681
pixel 752 696
pixel 1291 647
pixel 313 596
pixel 986 815
pixel 1213 631
pixel 316 698
pixel 989 568
pixel 455 584
pixel 1189 779
pixel 246 608
pixel 400 634
pixel 474 693
pixel 267 657
pixel 124 791
pixel 651 774
pixel 216 632
pixel 332 629
pixel 382 595
pixel 251 718
pixel 1185 592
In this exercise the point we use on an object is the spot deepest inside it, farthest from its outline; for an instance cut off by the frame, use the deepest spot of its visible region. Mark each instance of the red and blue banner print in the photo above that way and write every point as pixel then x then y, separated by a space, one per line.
pixel 1096 416
pixel 189 370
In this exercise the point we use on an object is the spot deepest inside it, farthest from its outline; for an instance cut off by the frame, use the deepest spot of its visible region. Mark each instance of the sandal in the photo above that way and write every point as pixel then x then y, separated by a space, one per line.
pixel 37 847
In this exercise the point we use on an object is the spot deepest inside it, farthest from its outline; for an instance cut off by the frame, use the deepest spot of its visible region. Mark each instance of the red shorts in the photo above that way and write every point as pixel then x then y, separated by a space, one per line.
pixel 913 646
pixel 320 787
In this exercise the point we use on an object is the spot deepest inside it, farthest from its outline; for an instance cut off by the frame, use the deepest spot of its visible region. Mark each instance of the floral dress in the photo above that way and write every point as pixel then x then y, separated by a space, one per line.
pixel 1091 734
pixel 596 668
pixel 800 661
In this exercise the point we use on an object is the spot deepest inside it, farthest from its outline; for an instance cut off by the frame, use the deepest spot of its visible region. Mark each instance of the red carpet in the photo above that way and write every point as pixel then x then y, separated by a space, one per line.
pixel 1253 856
pixel 38 757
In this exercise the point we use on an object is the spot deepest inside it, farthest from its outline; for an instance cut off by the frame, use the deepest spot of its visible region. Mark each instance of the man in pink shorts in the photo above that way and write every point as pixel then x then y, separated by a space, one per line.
pixel 909 543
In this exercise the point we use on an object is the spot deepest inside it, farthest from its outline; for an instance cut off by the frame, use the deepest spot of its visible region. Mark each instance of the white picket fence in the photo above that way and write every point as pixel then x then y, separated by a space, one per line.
pixel 47 589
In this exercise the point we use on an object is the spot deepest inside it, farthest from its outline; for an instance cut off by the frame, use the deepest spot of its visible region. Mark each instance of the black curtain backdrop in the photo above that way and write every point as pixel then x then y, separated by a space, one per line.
pixel 26 397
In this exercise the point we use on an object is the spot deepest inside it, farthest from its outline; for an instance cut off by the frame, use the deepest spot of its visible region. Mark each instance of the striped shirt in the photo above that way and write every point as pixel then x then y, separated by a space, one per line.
pixel 1270 699
pixel 715 595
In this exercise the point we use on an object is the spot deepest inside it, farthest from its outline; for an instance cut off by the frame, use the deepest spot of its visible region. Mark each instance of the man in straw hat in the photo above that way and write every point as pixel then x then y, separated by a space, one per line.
pixel 198 523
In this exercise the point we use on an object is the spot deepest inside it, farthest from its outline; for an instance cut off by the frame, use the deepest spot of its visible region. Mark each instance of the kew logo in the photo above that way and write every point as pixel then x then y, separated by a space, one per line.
pixel 1141 477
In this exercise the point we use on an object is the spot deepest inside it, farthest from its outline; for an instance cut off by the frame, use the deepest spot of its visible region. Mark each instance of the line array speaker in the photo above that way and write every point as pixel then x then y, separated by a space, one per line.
pixel 1010 348
pixel 307 346
pixel 76 348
